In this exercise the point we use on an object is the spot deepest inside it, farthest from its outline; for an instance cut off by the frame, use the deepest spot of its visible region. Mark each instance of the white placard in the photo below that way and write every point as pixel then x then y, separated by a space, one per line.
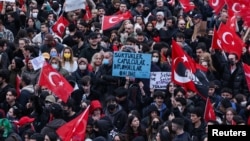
pixel 71 5
pixel 38 62
pixel 159 80
pixel 8 0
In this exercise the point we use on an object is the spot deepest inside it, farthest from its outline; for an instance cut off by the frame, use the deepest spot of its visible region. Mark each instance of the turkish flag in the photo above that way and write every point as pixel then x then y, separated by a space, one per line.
pixel 60 26
pixel 216 5
pixel 187 73
pixel 237 5
pixel 209 113
pixel 18 82
pixel 247 74
pixel 186 6
pixel 231 22
pixel 230 41
pixel 54 81
pixel 75 129
pixel 216 41
pixel 113 20
pixel 88 14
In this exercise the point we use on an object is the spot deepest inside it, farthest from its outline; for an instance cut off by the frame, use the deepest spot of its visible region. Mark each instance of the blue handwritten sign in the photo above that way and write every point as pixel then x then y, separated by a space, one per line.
pixel 135 65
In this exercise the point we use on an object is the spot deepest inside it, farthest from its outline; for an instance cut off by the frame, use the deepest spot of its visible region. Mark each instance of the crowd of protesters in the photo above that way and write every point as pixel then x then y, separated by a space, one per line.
pixel 121 108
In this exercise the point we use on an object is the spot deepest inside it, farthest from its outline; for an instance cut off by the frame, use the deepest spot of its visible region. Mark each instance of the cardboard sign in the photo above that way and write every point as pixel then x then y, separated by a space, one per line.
pixel 159 80
pixel 135 65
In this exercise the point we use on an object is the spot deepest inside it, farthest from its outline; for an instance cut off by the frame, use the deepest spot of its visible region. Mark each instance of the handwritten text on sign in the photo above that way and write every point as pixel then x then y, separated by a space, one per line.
pixel 159 80
pixel 135 65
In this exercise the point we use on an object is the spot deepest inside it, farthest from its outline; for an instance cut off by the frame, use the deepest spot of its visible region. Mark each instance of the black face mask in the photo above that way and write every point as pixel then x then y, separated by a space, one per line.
pixel 210 36
pixel 111 107
pixel 231 62
pixel 155 125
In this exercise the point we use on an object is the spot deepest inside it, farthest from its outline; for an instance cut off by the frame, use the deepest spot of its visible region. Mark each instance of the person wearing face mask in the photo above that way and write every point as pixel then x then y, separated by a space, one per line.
pixel 13 114
pixel 68 61
pixel 105 83
pixel 82 70
pixel 56 64
pixel 115 113
pixel 232 74
pixel 79 39
pixel 153 128
pixel 157 63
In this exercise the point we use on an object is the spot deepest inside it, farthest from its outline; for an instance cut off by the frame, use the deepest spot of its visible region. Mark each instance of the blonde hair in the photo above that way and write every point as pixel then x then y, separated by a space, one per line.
pixel 121 29
pixel 93 59
pixel 206 57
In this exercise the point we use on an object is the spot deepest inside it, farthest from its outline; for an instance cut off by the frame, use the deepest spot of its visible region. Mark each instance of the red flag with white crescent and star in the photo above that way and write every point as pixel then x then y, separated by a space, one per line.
pixel 216 41
pixel 216 5
pixel 54 81
pixel 209 113
pixel 237 6
pixel 75 129
pixel 230 41
pixel 60 26
pixel 113 20
pixel 186 5
pixel 187 73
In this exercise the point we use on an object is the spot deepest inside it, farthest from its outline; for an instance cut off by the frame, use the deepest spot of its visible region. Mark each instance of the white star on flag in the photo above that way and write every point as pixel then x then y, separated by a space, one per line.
pixel 61 83
pixel 184 58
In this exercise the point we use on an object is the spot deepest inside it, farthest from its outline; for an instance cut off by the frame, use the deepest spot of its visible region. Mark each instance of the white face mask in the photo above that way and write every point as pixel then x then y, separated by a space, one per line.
pixel 92 28
pixel 155 59
pixel 55 66
pixel 67 32
pixel 243 103
pixel 34 15
pixel 82 67
pixel 180 108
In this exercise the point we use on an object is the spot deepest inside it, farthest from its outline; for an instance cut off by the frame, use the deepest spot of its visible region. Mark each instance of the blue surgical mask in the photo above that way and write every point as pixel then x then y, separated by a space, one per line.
pixel 53 54
pixel 105 61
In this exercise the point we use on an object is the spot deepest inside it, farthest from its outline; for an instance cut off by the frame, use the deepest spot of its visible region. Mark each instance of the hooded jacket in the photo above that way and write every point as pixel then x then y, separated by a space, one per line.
pixel 25 94
pixel 94 105
pixel 53 126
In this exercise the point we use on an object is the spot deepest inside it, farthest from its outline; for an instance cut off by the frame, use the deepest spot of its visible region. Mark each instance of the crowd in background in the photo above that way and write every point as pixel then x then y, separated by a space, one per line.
pixel 121 108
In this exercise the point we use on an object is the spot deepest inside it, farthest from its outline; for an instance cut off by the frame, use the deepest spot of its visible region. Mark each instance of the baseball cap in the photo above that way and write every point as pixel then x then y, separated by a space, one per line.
pixel 50 98
pixel 197 16
pixel 46 55
pixel 25 120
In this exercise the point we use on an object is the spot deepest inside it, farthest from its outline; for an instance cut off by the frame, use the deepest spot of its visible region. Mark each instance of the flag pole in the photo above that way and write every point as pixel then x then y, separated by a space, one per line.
pixel 40 76
pixel 205 108
pixel 102 22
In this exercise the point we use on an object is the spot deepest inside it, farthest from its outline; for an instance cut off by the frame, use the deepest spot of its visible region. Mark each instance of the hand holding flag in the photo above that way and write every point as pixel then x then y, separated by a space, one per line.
pixel 54 81
pixel 209 113
pixel 75 129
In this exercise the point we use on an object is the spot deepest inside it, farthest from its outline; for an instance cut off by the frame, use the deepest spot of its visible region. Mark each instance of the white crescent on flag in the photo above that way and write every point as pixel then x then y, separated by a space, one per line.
pixel 224 35
pixel 177 77
pixel 112 20
pixel 60 28
pixel 50 77
pixel 234 7
pixel 219 43
pixel 215 3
